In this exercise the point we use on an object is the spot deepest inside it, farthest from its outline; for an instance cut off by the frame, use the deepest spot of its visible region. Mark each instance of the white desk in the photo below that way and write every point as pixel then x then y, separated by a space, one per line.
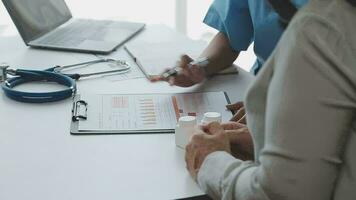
pixel 40 160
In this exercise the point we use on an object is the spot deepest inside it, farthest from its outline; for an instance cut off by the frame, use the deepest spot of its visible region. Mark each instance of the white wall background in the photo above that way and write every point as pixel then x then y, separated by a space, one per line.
pixel 184 15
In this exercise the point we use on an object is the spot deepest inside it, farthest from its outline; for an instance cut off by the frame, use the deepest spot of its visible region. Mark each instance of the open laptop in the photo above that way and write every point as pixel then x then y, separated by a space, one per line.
pixel 49 24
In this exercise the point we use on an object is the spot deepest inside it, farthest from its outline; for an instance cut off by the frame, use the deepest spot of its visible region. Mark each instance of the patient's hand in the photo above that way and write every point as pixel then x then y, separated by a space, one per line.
pixel 218 137
pixel 240 140
pixel 203 143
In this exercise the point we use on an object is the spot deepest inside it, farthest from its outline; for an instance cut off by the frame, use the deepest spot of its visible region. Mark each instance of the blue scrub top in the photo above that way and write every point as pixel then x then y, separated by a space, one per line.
pixel 247 21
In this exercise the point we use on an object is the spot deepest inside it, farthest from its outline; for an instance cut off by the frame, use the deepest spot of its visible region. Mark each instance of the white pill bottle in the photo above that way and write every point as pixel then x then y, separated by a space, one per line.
pixel 184 130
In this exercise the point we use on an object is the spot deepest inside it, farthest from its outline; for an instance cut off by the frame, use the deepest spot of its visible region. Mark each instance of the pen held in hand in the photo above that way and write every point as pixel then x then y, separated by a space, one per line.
pixel 202 62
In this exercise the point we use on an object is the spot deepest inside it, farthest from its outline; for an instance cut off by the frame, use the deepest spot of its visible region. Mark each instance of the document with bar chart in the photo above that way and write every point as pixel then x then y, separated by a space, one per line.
pixel 141 113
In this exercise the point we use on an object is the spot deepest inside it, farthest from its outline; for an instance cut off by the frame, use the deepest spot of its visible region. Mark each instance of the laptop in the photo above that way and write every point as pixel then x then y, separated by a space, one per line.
pixel 49 24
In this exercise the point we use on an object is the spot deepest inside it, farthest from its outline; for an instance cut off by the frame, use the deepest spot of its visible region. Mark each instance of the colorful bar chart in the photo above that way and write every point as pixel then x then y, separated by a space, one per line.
pixel 147 112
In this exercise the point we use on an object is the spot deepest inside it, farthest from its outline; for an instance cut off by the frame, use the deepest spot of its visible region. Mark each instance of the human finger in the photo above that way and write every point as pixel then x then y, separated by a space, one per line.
pixel 238 136
pixel 155 78
pixel 235 106
pixel 232 125
pixel 181 81
pixel 238 115
pixel 204 127
pixel 171 81
pixel 189 156
pixel 184 65
pixel 215 128
pixel 184 61
pixel 242 120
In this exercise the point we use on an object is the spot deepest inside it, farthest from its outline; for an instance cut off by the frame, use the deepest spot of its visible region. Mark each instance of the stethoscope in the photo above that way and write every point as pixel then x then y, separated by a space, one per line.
pixel 53 74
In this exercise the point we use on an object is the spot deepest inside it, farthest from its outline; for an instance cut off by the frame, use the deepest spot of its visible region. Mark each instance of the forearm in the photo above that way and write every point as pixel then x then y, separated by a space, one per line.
pixel 222 176
pixel 220 54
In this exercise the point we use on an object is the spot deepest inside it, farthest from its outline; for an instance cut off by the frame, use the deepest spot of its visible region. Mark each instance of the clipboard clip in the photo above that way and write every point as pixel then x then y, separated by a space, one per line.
pixel 79 111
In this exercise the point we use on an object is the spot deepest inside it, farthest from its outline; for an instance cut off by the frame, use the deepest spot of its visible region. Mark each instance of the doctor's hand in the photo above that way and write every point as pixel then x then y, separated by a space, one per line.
pixel 239 109
pixel 204 142
pixel 187 76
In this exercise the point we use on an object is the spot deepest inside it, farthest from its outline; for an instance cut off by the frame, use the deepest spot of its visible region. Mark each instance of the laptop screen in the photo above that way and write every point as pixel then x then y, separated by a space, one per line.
pixel 33 18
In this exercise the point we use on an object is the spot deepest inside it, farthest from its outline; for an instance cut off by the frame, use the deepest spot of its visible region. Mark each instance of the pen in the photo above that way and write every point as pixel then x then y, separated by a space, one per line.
pixel 201 62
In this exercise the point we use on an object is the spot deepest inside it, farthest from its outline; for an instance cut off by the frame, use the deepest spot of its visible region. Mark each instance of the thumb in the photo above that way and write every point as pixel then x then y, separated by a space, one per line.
pixel 215 128
pixel 184 61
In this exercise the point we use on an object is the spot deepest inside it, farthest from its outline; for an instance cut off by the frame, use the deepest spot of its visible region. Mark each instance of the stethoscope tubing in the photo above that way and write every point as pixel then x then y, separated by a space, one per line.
pixel 25 76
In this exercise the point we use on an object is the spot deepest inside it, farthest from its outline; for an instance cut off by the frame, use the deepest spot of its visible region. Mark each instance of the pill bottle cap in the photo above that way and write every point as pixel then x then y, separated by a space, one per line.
pixel 188 121
pixel 211 117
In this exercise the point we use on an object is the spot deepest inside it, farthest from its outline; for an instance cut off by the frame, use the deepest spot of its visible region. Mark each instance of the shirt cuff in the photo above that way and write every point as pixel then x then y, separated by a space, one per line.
pixel 214 170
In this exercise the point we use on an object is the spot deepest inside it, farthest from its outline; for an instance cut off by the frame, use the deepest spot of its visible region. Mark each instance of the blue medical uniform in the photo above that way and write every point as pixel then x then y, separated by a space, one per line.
pixel 247 21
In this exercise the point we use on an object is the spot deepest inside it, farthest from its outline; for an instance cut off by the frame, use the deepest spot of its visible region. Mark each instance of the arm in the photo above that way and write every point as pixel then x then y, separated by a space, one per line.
pixel 233 21
pixel 220 54
pixel 310 105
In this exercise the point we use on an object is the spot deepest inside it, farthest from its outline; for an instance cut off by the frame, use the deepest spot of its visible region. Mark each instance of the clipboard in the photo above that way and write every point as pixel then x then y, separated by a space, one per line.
pixel 81 111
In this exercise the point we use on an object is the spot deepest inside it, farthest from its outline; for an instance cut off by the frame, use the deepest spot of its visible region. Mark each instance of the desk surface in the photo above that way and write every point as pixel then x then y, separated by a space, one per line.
pixel 39 159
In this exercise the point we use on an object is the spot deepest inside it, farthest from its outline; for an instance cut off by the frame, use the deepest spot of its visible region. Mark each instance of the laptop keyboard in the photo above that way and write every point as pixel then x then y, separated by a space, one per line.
pixel 75 33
